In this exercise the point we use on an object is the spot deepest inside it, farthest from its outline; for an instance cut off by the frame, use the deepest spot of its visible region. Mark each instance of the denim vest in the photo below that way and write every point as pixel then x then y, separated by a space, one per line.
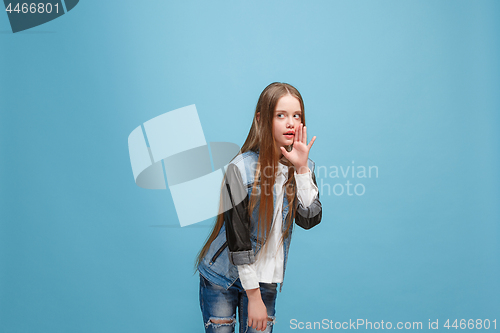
pixel 215 265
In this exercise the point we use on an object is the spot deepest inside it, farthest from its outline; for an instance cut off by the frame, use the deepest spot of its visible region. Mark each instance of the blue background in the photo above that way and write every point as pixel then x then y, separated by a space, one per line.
pixel 411 87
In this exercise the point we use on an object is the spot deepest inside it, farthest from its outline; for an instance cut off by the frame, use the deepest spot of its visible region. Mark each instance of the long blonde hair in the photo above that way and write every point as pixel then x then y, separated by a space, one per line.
pixel 258 139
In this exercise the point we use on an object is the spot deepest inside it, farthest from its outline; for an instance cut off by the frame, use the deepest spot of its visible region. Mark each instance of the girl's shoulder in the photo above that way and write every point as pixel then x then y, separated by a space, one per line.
pixel 246 157
pixel 246 163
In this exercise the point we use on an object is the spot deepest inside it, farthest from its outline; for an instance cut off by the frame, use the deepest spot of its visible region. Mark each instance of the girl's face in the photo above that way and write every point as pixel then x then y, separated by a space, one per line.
pixel 286 120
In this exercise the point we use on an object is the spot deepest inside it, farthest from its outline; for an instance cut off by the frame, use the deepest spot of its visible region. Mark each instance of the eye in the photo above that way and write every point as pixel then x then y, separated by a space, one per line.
pixel 297 116
pixel 280 115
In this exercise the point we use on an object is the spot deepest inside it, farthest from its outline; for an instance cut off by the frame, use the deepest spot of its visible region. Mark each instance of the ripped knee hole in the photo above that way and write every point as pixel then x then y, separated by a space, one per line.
pixel 221 321
pixel 218 322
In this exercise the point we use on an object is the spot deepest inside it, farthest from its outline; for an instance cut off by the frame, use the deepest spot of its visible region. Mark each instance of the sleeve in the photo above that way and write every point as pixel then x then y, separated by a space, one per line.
pixel 306 189
pixel 236 218
pixel 248 276
pixel 309 216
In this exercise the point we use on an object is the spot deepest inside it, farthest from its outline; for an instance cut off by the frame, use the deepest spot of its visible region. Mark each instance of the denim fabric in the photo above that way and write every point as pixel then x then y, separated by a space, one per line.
pixel 215 266
pixel 218 303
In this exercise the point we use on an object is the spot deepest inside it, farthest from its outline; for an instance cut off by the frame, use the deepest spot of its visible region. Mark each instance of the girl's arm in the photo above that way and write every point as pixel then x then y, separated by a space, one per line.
pixel 236 218
pixel 309 216
pixel 307 191
pixel 237 222
pixel 306 217
pixel 248 276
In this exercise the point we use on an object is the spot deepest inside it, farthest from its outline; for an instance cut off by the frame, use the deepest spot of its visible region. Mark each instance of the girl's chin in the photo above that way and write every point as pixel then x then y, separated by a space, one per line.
pixel 286 142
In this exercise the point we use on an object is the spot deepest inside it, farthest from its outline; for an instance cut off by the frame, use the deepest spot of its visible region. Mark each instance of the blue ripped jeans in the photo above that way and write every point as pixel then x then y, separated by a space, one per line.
pixel 217 303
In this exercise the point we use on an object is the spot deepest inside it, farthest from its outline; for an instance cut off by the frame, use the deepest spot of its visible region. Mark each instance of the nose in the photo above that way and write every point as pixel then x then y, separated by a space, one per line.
pixel 289 123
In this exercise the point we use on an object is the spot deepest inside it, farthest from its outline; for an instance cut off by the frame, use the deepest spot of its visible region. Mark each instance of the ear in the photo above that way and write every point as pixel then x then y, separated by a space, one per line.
pixel 258 116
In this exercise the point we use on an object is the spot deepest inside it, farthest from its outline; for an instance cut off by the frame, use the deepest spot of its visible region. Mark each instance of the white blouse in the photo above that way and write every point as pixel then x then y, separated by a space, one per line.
pixel 268 265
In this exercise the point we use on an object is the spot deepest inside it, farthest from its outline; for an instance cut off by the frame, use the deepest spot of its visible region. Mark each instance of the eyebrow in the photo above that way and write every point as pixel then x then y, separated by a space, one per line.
pixel 299 111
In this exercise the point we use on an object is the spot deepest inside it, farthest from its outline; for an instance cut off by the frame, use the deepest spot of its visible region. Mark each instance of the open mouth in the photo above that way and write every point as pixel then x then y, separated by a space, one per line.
pixel 289 133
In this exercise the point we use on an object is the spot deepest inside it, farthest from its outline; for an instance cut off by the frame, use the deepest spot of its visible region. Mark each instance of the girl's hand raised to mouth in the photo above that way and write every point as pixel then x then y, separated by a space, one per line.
pixel 300 152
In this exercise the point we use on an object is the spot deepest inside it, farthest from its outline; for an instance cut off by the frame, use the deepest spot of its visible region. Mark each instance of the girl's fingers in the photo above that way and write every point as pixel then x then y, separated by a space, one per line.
pixel 260 326
pixel 297 133
pixel 304 135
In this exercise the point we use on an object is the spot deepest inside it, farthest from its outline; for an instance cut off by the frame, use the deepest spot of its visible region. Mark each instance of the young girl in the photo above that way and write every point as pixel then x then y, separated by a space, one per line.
pixel 267 186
